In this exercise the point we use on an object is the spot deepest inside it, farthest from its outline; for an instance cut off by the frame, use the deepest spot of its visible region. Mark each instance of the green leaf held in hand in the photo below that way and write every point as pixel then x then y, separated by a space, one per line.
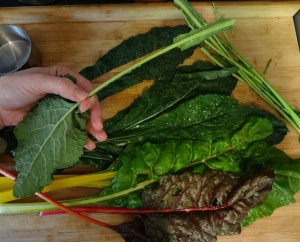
pixel 50 137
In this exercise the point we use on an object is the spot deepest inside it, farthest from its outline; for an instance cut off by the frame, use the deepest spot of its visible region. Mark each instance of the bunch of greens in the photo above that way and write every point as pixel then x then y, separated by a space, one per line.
pixel 193 159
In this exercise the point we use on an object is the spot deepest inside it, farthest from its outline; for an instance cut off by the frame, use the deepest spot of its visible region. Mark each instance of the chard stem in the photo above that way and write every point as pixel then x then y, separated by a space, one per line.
pixel 43 206
pixel 57 204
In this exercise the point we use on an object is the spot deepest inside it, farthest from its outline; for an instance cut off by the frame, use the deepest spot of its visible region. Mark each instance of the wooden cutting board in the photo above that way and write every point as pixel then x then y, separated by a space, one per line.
pixel 77 35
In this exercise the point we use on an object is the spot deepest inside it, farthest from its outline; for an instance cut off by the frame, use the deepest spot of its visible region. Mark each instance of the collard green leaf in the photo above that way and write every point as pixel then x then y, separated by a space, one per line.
pixel 49 138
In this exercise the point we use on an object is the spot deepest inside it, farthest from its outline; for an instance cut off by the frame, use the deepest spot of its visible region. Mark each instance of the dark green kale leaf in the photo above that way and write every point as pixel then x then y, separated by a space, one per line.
pixel 205 116
pixel 224 199
pixel 166 94
pixel 135 47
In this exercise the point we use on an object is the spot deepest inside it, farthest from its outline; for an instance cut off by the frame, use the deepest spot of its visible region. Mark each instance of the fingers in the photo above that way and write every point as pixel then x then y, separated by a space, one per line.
pixel 55 83
pixel 90 145
pixel 95 124
pixel 61 85
pixel 100 135
pixel 61 71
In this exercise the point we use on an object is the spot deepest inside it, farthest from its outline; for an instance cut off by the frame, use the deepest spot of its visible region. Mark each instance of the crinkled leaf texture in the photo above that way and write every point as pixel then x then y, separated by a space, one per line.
pixel 50 137
pixel 142 161
pixel 135 47
pixel 225 200
pixel 285 185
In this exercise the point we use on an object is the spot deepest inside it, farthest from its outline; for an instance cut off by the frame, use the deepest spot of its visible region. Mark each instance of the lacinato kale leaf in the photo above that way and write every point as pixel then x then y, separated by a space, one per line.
pixel 172 92
pixel 135 47
pixel 202 117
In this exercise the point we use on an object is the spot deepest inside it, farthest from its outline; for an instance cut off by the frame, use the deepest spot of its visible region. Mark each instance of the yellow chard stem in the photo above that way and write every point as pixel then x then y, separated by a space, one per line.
pixel 100 180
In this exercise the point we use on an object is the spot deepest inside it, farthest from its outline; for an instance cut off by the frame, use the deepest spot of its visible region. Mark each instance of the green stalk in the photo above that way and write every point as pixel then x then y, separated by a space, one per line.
pixel 6 208
pixel 246 73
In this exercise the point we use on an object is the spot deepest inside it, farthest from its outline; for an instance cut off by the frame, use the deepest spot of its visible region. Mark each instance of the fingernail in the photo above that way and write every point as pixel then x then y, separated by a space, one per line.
pixel 101 136
pixel 83 108
pixel 90 146
pixel 80 94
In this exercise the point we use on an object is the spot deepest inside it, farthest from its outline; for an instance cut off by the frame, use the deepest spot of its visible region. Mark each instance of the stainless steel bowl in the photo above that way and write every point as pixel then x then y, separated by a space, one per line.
pixel 15 48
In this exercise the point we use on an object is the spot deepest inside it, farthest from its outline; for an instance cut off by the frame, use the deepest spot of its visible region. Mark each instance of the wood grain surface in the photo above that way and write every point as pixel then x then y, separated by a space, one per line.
pixel 77 35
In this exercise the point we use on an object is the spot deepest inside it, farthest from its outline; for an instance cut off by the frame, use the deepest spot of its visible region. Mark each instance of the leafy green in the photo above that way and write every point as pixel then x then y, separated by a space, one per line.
pixel 204 116
pixel 222 52
pixel 54 142
pixel 160 67
pixel 286 183
pixel 133 48
pixel 147 160
pixel 223 200
pixel 30 165
pixel 172 92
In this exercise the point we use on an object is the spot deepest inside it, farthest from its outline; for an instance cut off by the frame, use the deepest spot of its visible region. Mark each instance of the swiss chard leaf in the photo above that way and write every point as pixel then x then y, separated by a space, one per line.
pixel 50 137
pixel 148 160
pixel 286 184
pixel 225 200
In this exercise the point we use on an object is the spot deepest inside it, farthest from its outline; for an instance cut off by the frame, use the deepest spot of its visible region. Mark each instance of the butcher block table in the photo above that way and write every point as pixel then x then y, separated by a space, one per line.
pixel 77 35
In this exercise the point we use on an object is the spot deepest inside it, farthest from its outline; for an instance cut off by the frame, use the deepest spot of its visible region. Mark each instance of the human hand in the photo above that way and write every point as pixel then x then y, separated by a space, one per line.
pixel 21 90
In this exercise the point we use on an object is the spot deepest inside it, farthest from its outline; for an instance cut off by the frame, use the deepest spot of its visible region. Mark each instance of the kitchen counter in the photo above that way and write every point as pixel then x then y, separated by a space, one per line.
pixel 76 36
